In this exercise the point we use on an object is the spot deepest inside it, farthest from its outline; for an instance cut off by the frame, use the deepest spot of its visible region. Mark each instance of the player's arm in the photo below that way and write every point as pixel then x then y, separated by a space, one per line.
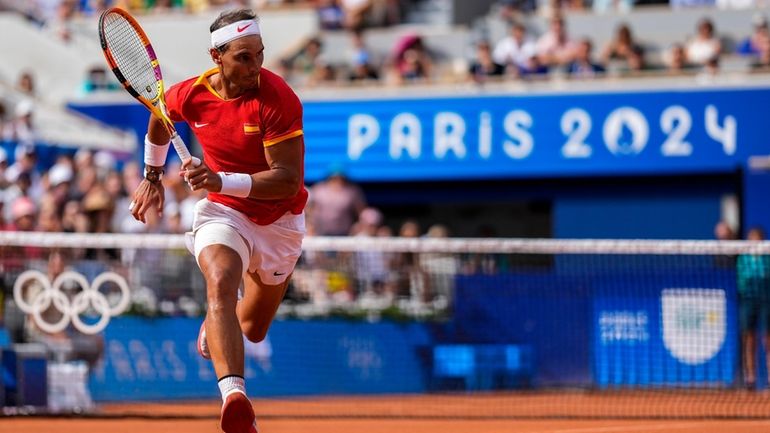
pixel 150 191
pixel 282 181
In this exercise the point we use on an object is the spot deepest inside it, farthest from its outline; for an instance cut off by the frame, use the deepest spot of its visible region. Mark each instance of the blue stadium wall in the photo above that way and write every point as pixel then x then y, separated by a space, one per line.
pixel 627 143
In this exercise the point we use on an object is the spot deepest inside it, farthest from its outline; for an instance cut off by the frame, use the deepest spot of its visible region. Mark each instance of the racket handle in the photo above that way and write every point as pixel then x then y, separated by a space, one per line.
pixel 181 150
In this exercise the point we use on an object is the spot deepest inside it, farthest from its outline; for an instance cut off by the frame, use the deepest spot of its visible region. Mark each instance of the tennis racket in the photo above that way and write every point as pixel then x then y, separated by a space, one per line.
pixel 133 61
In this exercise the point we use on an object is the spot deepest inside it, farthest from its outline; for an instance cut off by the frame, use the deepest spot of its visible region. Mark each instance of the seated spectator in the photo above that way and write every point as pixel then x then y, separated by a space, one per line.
pixel 323 73
pixel 554 47
pixel 759 40
pixel 624 48
pixel 355 12
pixel 24 215
pixel 98 80
pixel 705 46
pixel 308 59
pixel 484 67
pixel 515 50
pixel 676 60
pixel 412 60
pixel 330 15
pixel 21 128
pixel 583 66
pixel 61 25
pixel 533 68
pixel 26 84
pixel 512 10
pixel 362 13
pixel 362 60
pixel 363 71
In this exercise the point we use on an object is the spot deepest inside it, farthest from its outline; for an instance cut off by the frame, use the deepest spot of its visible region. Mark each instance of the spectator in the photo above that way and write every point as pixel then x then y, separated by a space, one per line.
pixel 61 25
pixel 26 159
pixel 753 305
pixel 624 48
pixel 308 59
pixel 676 60
pixel 533 68
pixel 330 15
pixel 26 84
pixel 412 60
pixel 583 66
pixel 484 67
pixel 512 10
pixel 21 129
pixel 334 205
pixel 97 80
pixel 705 47
pixel 515 50
pixel 411 280
pixel 23 214
pixel 759 41
pixel 441 268
pixel 361 13
pixel 554 47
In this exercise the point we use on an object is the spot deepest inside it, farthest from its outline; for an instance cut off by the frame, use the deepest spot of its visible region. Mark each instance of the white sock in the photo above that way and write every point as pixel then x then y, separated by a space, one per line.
pixel 230 384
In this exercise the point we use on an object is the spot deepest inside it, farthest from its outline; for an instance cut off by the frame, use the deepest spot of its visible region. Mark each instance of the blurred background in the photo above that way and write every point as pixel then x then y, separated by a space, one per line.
pixel 426 121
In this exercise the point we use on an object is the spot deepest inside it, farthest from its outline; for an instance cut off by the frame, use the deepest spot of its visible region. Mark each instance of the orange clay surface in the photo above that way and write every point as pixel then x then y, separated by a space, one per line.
pixel 501 413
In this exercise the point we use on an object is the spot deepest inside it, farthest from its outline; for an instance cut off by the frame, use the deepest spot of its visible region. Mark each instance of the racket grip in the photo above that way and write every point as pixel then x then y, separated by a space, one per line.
pixel 181 150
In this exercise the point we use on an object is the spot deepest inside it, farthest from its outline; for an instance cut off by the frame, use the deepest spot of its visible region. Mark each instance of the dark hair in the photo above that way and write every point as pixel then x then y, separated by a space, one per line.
pixel 228 17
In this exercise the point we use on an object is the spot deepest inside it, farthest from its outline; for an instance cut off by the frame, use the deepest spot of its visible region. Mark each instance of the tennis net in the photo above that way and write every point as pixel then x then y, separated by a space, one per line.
pixel 391 327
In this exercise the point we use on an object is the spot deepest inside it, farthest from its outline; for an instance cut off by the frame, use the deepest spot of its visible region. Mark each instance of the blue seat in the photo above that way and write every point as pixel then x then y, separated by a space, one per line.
pixel 482 366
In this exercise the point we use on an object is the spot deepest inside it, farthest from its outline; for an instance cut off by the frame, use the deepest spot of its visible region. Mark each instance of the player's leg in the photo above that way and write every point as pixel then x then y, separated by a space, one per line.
pixel 258 306
pixel 222 269
pixel 222 255
pixel 277 249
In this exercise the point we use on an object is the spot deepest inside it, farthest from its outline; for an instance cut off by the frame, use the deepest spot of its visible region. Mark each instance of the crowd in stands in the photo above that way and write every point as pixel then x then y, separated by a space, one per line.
pixel 522 54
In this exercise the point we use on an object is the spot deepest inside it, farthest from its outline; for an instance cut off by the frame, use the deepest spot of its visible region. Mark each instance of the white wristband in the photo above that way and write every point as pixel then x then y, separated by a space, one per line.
pixel 235 184
pixel 154 154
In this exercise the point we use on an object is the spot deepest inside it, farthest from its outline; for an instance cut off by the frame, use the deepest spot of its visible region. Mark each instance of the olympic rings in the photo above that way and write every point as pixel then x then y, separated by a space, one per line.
pixel 89 296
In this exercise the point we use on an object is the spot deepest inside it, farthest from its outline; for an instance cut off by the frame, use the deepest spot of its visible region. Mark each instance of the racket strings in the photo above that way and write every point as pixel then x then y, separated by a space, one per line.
pixel 129 52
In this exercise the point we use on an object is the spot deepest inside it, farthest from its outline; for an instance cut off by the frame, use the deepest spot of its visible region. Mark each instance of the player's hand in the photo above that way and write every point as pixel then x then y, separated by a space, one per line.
pixel 201 177
pixel 147 195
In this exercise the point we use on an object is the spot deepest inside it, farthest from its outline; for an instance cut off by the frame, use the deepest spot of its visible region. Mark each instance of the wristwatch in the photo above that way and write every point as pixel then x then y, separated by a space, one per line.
pixel 153 175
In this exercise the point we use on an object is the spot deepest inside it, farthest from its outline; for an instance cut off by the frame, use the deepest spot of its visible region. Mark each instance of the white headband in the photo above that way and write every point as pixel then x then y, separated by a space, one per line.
pixel 234 31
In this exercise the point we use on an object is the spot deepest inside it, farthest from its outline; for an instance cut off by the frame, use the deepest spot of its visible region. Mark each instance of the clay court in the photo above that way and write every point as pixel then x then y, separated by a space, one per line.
pixel 556 412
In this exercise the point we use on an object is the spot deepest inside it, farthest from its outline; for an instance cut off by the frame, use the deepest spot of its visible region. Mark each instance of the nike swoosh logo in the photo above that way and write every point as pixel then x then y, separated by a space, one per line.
pixel 241 29
pixel 276 274
pixel 200 125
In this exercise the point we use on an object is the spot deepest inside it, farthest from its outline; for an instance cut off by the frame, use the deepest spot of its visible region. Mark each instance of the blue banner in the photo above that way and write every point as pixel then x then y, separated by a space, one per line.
pixel 156 359
pixel 514 136
pixel 665 333
pixel 486 137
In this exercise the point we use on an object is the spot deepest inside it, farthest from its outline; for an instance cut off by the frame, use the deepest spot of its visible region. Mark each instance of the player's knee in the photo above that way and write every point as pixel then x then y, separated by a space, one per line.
pixel 253 331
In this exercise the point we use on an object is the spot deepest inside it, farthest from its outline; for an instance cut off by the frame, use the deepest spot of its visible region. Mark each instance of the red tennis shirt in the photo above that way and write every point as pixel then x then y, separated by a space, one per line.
pixel 234 134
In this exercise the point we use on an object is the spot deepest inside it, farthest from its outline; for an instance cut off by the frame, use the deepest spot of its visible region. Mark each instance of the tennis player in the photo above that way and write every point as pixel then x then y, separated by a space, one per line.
pixel 251 226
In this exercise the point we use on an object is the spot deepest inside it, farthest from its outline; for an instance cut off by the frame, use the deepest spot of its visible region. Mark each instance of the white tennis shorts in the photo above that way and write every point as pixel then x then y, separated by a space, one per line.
pixel 271 251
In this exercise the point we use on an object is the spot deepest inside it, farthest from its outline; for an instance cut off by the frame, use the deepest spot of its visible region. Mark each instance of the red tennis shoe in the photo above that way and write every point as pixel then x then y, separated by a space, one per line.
pixel 238 415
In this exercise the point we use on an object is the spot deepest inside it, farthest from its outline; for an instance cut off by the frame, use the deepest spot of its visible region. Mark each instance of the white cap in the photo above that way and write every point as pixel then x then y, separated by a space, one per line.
pixel 59 174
